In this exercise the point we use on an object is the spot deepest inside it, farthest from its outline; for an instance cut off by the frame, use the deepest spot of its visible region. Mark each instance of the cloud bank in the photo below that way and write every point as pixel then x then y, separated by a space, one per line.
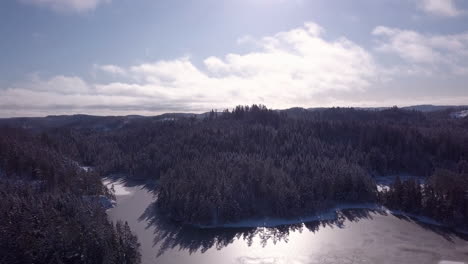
pixel 438 53
pixel 291 68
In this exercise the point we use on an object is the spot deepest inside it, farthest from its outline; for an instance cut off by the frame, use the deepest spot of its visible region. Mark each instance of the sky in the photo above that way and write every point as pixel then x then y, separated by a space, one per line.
pixel 147 57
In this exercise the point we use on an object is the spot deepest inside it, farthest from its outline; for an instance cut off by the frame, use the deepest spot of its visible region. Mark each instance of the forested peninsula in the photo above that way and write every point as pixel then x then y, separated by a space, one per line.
pixel 250 162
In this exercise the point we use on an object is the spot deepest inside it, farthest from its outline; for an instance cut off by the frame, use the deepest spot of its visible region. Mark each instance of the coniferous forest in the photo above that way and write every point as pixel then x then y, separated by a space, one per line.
pixel 50 210
pixel 221 167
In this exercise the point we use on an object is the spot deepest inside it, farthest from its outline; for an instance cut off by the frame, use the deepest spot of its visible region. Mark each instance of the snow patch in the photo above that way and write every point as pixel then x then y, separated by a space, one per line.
pixel 459 114
pixel 86 168
pixel 117 187
pixel 166 119
pixel 383 183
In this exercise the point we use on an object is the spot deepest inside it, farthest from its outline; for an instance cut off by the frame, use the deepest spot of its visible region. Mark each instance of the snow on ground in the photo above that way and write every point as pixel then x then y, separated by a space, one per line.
pixel 460 114
pixel 118 187
pixel 419 218
pixel 384 182
pixel 381 187
pixel 330 214
pixel 86 168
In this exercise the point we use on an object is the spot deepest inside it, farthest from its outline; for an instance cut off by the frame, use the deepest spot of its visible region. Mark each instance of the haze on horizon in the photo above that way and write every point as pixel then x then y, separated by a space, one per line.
pixel 119 57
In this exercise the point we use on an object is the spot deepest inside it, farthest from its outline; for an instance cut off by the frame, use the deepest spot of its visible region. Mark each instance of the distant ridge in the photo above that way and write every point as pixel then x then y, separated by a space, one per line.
pixel 432 108
pixel 106 122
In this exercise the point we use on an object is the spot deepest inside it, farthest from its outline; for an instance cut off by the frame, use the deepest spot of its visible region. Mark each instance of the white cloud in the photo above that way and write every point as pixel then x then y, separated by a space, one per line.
pixel 437 52
pixel 111 69
pixel 68 5
pixel 245 39
pixel 58 84
pixel 440 7
pixel 287 69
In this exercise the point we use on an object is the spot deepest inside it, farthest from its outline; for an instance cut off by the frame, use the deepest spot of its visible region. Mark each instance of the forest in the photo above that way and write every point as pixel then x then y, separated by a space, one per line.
pixel 49 211
pixel 251 161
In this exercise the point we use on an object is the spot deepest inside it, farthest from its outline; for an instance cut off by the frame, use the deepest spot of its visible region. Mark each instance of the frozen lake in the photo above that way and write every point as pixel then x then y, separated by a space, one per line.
pixel 357 236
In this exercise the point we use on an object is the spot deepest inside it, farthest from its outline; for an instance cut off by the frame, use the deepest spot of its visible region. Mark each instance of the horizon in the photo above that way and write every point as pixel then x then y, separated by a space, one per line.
pixel 406 107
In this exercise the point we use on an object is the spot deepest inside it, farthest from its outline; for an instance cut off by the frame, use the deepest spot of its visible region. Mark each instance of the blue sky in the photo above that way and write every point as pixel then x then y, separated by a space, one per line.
pixel 118 57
